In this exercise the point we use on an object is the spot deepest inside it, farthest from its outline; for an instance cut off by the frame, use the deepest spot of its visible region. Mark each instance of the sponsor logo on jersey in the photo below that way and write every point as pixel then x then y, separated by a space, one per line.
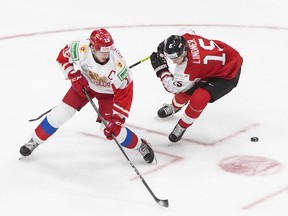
pixel 119 64
pixel 123 74
pixel 74 50
pixel 83 48
pixel 181 76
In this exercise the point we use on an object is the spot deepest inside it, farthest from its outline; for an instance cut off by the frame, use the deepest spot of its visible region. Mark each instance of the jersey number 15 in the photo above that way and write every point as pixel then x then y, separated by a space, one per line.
pixel 212 46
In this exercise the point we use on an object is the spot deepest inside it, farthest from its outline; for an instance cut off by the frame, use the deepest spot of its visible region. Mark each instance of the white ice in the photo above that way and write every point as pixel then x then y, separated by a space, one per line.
pixel 78 173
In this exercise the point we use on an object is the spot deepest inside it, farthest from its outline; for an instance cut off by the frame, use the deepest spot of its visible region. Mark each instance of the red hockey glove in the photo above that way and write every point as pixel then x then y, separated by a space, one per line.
pixel 78 82
pixel 159 63
pixel 114 127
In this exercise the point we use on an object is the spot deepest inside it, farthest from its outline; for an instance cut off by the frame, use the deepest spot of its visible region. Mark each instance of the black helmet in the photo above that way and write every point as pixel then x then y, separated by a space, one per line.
pixel 174 46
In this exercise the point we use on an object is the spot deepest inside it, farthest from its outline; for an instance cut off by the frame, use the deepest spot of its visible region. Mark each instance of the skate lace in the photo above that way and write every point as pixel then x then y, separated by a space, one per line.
pixel 168 109
pixel 178 130
pixel 31 145
pixel 144 150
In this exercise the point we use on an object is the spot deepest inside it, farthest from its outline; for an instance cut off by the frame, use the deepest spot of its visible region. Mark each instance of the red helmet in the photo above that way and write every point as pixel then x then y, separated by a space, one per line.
pixel 101 39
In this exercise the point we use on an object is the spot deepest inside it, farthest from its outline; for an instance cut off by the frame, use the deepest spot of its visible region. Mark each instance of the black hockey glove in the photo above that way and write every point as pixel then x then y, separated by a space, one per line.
pixel 159 63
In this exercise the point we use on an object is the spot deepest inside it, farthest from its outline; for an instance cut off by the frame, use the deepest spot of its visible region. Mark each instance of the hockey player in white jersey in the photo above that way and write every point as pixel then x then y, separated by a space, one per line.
pixel 96 65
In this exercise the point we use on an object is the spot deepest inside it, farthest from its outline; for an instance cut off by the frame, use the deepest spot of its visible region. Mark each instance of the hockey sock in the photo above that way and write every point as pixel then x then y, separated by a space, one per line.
pixel 45 130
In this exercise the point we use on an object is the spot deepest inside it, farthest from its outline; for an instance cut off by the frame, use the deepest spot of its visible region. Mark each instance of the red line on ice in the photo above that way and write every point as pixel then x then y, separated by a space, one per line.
pixel 243 130
pixel 9 37
pixel 174 159
pixel 257 202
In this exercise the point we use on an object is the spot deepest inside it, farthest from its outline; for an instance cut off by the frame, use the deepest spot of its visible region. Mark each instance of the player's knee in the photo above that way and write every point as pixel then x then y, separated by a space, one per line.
pixel 200 98
pixel 60 114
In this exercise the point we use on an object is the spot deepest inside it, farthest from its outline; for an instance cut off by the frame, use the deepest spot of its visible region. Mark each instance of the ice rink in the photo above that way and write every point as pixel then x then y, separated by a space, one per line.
pixel 214 170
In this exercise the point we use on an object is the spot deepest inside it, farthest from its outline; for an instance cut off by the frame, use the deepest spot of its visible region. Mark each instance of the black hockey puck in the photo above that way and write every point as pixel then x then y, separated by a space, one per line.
pixel 254 139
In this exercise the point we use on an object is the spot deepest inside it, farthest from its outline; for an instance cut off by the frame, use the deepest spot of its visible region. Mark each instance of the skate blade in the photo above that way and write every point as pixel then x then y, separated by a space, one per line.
pixel 21 157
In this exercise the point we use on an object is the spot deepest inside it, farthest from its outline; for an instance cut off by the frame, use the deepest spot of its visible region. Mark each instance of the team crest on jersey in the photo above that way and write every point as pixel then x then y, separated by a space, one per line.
pixel 74 51
pixel 123 74
pixel 99 81
pixel 83 48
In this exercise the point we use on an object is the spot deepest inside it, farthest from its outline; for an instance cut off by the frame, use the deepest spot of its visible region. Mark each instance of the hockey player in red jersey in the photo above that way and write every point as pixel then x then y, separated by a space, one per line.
pixel 94 64
pixel 205 71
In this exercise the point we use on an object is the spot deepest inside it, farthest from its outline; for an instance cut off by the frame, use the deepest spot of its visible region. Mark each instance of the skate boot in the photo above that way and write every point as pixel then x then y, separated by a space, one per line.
pixel 167 110
pixel 28 148
pixel 146 151
pixel 177 133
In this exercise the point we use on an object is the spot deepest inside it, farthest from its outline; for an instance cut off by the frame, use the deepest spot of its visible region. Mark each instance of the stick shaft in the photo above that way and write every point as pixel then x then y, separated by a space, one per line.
pixel 160 202
pixel 137 63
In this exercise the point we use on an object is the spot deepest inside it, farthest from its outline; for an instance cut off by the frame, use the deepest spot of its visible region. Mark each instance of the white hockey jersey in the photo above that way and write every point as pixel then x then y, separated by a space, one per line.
pixel 113 77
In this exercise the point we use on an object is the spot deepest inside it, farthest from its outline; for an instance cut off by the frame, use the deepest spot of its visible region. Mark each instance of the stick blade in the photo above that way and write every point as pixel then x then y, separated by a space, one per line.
pixel 164 203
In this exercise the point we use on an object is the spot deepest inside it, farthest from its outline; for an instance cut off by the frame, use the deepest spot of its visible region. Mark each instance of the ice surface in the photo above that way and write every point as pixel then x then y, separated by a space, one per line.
pixel 77 172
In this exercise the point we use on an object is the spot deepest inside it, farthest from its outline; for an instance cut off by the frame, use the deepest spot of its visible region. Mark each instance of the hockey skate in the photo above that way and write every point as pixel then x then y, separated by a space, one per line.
pixel 146 151
pixel 177 133
pixel 167 110
pixel 28 148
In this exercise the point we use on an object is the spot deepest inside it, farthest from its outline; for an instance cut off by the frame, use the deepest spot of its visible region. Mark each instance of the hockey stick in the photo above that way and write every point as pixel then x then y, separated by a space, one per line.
pixel 137 63
pixel 164 203
pixel 40 115
pixel 148 57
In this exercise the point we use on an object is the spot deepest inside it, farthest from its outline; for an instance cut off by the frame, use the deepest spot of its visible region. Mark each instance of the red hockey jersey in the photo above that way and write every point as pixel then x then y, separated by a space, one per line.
pixel 205 59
